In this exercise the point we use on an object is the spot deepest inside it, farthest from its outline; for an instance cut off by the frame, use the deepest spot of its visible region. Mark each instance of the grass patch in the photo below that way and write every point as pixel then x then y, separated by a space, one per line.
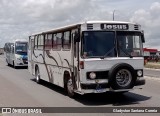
pixel 152 65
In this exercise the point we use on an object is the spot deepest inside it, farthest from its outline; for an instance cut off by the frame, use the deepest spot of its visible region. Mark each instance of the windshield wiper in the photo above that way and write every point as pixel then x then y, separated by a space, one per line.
pixel 108 52
pixel 94 56
pixel 126 52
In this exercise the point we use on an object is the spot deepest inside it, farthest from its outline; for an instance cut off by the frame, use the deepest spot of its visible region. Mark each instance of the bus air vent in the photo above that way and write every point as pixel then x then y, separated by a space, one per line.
pixel 136 27
pixel 89 26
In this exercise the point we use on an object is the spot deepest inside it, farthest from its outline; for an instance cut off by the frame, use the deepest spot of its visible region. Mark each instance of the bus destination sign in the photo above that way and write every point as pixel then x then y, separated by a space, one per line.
pixel 114 26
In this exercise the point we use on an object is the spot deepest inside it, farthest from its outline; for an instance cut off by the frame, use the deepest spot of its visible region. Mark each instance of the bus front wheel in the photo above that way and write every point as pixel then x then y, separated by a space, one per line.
pixel 68 85
pixel 70 88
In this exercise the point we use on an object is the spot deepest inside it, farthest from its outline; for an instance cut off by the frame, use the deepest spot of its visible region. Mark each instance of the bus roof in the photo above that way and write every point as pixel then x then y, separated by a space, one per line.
pixel 81 23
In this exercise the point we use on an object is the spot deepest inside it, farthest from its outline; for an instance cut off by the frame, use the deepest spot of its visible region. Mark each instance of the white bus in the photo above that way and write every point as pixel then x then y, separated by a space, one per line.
pixel 89 57
pixel 16 53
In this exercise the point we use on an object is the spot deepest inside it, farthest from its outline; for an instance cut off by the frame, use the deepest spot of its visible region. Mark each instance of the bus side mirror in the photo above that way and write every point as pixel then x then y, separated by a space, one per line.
pixel 77 37
pixel 143 39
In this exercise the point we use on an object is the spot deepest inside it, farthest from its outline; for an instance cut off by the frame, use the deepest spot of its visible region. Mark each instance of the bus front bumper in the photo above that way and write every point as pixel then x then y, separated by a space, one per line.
pixel 104 87
pixel 21 64
pixel 140 81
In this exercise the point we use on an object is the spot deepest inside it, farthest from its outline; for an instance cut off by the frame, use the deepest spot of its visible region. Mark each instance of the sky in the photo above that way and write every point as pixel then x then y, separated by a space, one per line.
pixel 21 18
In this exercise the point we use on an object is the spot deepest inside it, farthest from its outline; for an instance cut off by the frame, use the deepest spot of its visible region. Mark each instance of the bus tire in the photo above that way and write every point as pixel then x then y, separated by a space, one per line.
pixel 37 75
pixel 122 76
pixel 68 86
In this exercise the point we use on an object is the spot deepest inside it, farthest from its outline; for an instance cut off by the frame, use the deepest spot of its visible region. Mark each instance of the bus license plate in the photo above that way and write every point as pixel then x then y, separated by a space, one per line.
pixel 99 90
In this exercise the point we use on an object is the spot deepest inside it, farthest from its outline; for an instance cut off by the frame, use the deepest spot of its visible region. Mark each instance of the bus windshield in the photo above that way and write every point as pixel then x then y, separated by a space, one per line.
pixel 129 43
pixel 111 44
pixel 98 43
pixel 21 48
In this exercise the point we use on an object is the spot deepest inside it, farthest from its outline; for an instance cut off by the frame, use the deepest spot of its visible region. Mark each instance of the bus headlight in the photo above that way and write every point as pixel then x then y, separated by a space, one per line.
pixel 139 73
pixel 92 75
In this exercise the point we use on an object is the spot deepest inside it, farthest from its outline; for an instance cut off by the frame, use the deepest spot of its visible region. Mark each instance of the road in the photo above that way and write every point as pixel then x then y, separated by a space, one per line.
pixel 18 89
pixel 152 72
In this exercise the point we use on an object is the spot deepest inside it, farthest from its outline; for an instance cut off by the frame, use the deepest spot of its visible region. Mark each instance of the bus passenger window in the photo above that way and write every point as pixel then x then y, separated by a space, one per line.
pixel 35 42
pixel 48 41
pixel 57 41
pixel 40 41
pixel 66 40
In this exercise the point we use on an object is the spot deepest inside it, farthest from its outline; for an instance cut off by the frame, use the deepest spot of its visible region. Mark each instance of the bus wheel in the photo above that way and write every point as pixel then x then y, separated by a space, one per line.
pixel 122 77
pixel 70 88
pixel 37 76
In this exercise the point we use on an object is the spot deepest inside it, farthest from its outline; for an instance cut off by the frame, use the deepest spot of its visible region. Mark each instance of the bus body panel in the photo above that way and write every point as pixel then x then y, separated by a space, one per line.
pixel 98 65
pixel 108 63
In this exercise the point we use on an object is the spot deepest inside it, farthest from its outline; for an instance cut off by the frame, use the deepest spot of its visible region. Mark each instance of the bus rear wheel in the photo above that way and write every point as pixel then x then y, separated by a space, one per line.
pixel 37 76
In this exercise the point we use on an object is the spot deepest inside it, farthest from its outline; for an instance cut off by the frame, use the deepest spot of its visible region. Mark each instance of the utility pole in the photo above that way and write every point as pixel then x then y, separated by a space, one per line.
pixel 113 14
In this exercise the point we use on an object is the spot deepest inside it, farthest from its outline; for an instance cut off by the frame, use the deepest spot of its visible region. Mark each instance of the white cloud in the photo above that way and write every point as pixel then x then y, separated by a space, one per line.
pixel 20 18
pixel 150 21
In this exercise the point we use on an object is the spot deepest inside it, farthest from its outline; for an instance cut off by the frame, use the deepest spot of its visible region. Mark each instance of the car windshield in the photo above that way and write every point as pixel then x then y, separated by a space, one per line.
pixel 21 48
pixel 111 44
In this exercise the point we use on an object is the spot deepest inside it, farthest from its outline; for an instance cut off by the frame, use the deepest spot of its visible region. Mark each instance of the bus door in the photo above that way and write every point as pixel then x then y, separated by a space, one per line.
pixel 75 60
pixel 30 54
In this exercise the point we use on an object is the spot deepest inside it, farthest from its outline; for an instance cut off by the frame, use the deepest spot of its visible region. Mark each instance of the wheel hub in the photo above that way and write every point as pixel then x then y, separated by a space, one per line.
pixel 123 77
pixel 70 86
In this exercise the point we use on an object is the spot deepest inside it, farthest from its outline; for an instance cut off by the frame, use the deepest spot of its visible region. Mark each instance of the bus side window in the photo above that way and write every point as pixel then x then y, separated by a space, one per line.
pixel 48 41
pixel 30 45
pixel 35 42
pixel 54 42
pixel 40 42
pixel 66 40
pixel 58 41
